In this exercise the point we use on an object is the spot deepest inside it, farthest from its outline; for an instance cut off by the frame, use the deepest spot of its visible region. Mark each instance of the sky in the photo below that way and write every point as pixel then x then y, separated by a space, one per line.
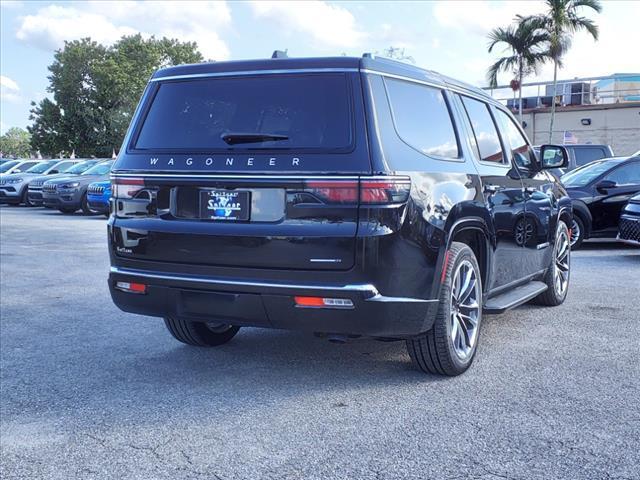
pixel 446 36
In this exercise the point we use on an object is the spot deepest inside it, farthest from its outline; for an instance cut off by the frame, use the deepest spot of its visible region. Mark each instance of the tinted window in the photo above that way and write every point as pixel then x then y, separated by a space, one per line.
pixel 584 175
pixel 486 139
pixel 422 118
pixel 521 152
pixel 628 174
pixel 311 111
pixel 100 169
pixel 586 155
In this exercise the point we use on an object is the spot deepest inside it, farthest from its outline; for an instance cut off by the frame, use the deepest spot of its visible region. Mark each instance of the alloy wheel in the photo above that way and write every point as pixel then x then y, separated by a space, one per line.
pixel 575 232
pixel 562 262
pixel 465 309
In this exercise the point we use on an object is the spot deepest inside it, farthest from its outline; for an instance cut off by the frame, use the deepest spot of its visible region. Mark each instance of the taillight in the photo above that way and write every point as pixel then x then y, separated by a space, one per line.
pixel 124 188
pixel 339 191
pixel 369 191
pixel 385 190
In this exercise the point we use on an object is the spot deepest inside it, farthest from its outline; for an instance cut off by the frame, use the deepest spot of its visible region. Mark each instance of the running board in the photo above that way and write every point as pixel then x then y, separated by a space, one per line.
pixel 514 298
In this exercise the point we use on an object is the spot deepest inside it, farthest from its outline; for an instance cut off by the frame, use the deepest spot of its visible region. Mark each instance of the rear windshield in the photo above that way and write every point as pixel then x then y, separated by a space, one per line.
pixel 297 111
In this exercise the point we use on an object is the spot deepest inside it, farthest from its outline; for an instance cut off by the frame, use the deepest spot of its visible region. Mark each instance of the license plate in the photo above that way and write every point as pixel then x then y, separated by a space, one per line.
pixel 225 205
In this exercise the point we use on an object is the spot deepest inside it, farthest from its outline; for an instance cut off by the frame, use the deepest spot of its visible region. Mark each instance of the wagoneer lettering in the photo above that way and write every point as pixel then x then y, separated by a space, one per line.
pixel 342 196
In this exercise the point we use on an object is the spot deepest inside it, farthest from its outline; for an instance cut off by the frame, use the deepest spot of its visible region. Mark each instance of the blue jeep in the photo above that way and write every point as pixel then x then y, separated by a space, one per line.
pixel 98 195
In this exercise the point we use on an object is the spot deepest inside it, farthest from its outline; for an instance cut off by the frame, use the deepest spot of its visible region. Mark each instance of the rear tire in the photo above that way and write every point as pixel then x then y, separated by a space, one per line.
pixel 559 272
pixel 450 346
pixel 577 232
pixel 200 334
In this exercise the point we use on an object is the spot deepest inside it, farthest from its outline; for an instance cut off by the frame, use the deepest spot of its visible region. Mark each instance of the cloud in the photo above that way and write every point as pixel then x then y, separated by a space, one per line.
pixel 106 22
pixel 481 17
pixel 9 89
pixel 329 25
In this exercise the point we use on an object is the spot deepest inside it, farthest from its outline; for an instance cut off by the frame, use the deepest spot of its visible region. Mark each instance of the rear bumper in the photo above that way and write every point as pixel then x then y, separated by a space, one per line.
pixel 271 305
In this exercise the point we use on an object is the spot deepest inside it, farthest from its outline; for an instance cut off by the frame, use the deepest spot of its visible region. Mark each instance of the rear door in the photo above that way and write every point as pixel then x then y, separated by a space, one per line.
pixel 503 193
pixel 259 171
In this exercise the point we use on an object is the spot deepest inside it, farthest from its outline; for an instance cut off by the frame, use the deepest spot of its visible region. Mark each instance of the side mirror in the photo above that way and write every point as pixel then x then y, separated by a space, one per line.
pixel 603 186
pixel 553 156
pixel 52 172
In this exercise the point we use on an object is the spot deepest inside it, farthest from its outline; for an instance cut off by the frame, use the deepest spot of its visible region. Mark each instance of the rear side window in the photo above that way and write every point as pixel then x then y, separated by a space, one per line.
pixel 521 152
pixel 422 118
pixel 486 139
pixel 304 111
pixel 588 154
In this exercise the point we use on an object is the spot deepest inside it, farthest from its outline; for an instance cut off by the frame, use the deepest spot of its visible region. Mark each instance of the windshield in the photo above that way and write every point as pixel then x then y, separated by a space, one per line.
pixel 584 175
pixel 261 112
pixel 7 165
pixel 81 167
pixel 42 167
pixel 100 169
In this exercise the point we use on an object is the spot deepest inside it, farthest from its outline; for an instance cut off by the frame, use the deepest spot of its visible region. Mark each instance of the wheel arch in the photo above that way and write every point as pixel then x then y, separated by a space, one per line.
pixel 474 232
pixel 581 211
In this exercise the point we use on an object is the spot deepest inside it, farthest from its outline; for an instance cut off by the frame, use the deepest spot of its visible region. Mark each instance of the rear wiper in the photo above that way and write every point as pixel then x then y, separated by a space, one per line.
pixel 234 138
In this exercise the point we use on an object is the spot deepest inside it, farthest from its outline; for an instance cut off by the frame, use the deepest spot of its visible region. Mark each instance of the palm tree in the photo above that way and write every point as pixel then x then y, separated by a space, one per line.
pixel 527 43
pixel 561 20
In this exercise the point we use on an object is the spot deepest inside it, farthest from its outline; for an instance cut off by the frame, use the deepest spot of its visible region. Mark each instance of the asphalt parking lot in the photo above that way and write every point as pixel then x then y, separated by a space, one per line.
pixel 88 391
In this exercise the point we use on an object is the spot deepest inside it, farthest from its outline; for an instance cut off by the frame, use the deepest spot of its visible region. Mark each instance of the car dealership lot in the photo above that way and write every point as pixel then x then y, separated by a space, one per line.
pixel 91 392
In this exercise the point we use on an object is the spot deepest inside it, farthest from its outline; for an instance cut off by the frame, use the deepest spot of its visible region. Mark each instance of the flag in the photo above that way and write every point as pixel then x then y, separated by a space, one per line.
pixel 113 154
pixel 569 138
pixel 73 153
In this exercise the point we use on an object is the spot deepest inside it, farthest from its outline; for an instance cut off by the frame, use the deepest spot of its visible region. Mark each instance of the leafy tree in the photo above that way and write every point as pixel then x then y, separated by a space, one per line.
pixel 96 89
pixel 561 20
pixel 527 45
pixel 15 142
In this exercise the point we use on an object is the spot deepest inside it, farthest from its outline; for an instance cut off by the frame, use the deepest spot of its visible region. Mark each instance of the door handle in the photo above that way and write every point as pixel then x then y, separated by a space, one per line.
pixel 491 188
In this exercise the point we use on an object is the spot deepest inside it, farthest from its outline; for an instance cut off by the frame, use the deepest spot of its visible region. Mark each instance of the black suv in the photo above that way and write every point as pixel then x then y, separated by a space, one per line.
pixel 342 196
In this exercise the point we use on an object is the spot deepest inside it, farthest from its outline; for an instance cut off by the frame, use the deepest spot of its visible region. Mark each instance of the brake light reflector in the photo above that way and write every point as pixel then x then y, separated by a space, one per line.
pixel 320 302
pixel 123 188
pixel 131 287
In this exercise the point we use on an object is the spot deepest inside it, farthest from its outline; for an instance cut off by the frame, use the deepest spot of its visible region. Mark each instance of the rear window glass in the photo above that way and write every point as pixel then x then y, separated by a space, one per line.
pixel 588 154
pixel 422 118
pixel 487 141
pixel 303 111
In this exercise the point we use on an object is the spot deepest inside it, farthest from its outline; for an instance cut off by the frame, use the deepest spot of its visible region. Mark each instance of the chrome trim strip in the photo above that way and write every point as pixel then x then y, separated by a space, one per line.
pixel 366 288
pixel 382 298
pixel 442 86
pixel 253 72
pixel 183 174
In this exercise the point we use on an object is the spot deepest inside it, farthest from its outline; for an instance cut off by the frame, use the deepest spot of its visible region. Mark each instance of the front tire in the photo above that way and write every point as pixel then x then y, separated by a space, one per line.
pixel 558 273
pixel 200 334
pixel 84 205
pixel 450 346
